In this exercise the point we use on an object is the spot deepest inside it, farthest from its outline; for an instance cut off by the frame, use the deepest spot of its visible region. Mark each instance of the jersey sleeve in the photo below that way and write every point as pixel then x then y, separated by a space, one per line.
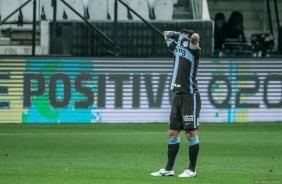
pixel 172 45
pixel 196 52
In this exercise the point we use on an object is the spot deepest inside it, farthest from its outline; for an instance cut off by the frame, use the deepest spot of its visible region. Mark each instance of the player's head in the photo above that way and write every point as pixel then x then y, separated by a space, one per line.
pixel 219 19
pixel 187 32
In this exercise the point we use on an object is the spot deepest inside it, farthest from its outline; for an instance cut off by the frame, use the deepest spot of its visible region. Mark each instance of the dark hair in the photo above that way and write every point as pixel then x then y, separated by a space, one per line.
pixel 235 17
pixel 186 31
pixel 219 16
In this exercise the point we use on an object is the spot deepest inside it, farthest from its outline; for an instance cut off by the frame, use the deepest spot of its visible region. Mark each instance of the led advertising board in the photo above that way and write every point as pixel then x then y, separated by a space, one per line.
pixel 130 90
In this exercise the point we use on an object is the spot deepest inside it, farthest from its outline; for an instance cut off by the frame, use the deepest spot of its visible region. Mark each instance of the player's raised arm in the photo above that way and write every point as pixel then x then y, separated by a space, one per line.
pixel 170 35
pixel 167 39
pixel 195 39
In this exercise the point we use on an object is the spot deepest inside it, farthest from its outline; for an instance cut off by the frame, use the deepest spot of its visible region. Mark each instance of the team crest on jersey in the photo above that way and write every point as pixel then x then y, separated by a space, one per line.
pixel 185 44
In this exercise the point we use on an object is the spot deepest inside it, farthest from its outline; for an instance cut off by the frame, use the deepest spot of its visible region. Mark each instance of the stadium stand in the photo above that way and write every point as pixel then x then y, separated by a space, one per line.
pixel 163 9
pixel 78 6
pixel 13 5
pixel 205 10
pixel 141 7
pixel 0 12
pixel 183 10
pixel 122 10
pixel 97 9
pixel 47 10
pixel 27 12
pixel 151 9
pixel 255 16
pixel 134 37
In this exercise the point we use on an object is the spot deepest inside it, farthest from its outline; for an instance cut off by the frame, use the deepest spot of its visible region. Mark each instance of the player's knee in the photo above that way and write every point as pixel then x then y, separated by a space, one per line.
pixel 172 134
pixel 190 134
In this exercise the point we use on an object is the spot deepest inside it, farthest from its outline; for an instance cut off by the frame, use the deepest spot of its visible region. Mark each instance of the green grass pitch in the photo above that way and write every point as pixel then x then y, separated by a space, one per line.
pixel 243 153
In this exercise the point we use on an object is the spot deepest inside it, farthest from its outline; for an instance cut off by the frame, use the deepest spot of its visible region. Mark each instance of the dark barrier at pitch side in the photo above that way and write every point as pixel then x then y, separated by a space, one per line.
pixel 134 38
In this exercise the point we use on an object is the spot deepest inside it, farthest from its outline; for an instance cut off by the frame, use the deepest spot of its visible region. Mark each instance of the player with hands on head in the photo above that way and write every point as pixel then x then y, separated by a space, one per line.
pixel 186 104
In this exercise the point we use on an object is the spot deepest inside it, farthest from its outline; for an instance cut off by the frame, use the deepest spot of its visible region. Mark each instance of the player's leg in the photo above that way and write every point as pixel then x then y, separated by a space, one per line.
pixel 193 153
pixel 194 147
pixel 191 123
pixel 173 140
pixel 172 149
pixel 175 126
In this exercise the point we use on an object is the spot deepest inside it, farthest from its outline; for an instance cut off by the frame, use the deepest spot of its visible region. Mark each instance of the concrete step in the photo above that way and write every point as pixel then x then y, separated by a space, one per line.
pixel 24 42
pixel 182 10
pixel 5 41
pixel 15 27
pixel 182 15
pixel 22 50
pixel 20 35
pixel 24 36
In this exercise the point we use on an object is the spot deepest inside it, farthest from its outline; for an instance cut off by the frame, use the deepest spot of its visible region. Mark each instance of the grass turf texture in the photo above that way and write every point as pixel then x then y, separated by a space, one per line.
pixel 128 153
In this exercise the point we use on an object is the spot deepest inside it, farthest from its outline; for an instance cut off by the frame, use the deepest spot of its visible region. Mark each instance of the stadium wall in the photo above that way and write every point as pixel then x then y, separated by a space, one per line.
pixel 134 38
pixel 134 90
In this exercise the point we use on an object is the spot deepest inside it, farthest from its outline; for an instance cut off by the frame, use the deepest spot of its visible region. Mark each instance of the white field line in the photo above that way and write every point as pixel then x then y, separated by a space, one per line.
pixel 78 133
pixel 104 133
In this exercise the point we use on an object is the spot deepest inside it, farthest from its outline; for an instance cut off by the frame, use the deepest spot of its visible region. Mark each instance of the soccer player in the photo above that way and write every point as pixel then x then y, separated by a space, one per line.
pixel 186 105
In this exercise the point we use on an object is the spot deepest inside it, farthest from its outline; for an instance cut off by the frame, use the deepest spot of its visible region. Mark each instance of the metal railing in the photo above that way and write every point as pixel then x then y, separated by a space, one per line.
pixel 134 12
pixel 117 49
pixel 54 4
pixel 33 22
pixel 269 15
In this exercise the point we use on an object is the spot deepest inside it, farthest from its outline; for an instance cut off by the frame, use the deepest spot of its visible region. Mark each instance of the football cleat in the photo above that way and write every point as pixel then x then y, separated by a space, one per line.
pixel 188 174
pixel 163 172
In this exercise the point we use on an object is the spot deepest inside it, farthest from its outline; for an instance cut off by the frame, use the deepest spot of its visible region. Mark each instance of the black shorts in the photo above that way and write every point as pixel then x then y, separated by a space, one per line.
pixel 185 112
